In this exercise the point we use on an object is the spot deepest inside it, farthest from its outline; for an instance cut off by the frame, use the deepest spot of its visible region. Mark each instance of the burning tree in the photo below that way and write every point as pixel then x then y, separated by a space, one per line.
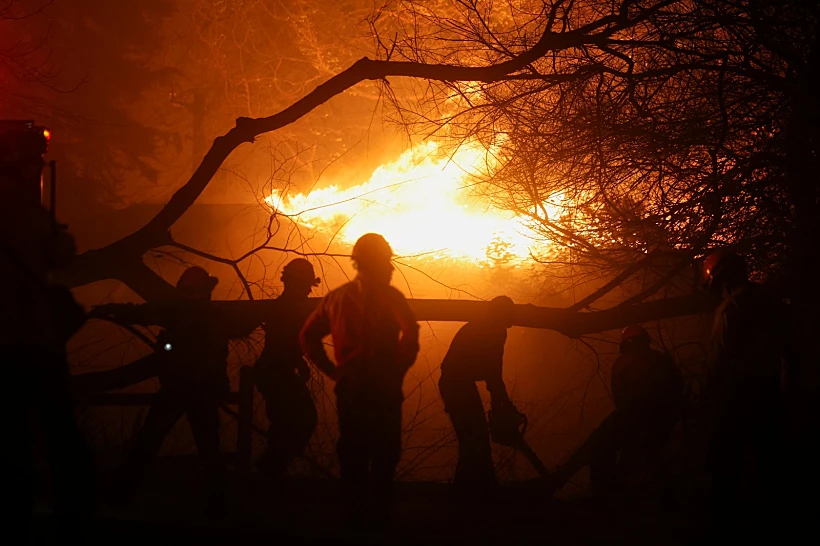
pixel 599 29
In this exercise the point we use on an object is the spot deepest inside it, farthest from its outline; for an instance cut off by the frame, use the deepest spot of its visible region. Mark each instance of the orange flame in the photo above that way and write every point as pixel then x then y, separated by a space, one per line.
pixel 422 204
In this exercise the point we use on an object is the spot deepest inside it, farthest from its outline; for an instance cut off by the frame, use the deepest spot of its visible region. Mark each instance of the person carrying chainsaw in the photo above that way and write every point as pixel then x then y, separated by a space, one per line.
pixel 193 349
pixel 281 375
pixel 648 393
pixel 476 354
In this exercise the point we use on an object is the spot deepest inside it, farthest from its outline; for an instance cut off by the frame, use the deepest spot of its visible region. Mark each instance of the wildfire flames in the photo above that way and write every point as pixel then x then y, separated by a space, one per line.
pixel 422 203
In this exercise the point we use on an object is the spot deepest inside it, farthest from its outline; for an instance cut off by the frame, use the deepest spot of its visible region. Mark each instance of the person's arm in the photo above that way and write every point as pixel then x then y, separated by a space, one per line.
pixel 409 342
pixel 784 322
pixel 315 329
pixel 52 238
pixel 145 314
pixel 495 365
pixel 303 369
pixel 617 383
pixel 61 249
pixel 724 341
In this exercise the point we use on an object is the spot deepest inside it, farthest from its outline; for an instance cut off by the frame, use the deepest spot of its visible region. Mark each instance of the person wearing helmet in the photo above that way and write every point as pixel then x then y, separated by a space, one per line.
pixel 743 394
pixel 281 374
pixel 36 369
pixel 648 393
pixel 193 349
pixel 476 354
pixel 375 341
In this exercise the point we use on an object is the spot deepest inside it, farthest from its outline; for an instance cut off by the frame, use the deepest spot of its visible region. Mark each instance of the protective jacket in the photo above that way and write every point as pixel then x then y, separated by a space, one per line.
pixel 375 334
pixel 645 380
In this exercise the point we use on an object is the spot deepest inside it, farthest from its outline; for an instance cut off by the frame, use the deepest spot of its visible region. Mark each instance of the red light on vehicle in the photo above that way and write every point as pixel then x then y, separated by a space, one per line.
pixel 47 134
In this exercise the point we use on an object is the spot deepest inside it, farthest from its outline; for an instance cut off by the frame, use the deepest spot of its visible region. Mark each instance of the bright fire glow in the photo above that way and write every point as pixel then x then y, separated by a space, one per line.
pixel 423 205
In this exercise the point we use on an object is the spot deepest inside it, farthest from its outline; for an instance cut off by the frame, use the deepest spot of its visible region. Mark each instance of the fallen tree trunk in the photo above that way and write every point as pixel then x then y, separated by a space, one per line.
pixel 569 322
pixel 566 321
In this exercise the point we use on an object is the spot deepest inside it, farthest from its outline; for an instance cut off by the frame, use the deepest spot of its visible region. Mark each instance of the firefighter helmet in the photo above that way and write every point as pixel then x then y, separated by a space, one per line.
pixel 501 309
pixel 196 283
pixel 371 247
pixel 634 332
pixel 300 269
pixel 720 264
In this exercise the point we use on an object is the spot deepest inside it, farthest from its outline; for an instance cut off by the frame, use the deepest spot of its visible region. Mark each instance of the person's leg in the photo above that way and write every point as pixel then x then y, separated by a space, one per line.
pixel 70 456
pixel 166 410
pixel 603 469
pixel 596 450
pixel 658 431
pixel 203 418
pixel 16 478
pixel 475 471
pixel 385 442
pixel 769 449
pixel 352 449
pixel 292 420
pixel 726 457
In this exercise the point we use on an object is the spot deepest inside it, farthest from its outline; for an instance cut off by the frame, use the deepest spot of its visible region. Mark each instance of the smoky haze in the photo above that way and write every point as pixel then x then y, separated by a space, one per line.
pixel 143 109
pixel 584 158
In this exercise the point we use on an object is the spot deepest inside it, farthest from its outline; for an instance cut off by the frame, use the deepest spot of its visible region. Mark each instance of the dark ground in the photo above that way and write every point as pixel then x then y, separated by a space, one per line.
pixel 171 508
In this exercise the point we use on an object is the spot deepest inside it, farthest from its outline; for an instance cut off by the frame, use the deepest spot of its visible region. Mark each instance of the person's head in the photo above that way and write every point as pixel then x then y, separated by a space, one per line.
pixel 299 277
pixel 634 338
pixel 372 258
pixel 501 311
pixel 195 283
pixel 723 269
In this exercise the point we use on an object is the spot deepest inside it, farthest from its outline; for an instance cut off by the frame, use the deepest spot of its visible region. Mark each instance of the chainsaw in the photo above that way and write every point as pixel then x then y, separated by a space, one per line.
pixel 507 428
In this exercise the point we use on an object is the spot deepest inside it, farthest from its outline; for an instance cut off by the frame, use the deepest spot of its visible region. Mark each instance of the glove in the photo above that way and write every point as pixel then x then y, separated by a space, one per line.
pixel 505 423
pixel 303 371
pixel 112 311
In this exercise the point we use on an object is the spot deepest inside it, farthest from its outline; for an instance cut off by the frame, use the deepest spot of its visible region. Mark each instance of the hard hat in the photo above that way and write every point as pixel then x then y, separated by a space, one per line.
pixel 196 283
pixel 502 302
pixel 501 309
pixel 300 268
pixel 371 247
pixel 633 332
pixel 721 262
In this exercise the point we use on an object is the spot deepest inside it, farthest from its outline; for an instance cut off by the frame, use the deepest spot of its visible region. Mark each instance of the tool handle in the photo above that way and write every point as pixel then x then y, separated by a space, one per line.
pixel 525 448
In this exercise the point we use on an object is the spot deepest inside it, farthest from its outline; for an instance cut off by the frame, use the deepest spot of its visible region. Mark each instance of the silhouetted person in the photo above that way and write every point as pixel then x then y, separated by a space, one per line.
pixel 281 375
pixel 193 376
pixel 35 371
pixel 375 341
pixel 476 354
pixel 743 396
pixel 648 392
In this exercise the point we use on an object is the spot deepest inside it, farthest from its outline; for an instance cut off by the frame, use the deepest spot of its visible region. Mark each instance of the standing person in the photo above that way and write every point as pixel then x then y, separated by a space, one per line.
pixel 281 375
pixel 375 341
pixel 193 375
pixel 35 368
pixel 476 354
pixel 744 396
pixel 648 392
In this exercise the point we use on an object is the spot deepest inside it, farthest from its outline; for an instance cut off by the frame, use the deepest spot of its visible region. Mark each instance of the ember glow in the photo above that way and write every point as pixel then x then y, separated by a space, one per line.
pixel 423 204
